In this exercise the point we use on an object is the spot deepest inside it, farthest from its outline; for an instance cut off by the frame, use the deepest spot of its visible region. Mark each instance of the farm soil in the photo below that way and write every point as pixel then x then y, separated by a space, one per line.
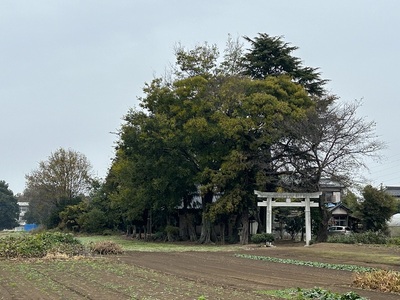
pixel 189 275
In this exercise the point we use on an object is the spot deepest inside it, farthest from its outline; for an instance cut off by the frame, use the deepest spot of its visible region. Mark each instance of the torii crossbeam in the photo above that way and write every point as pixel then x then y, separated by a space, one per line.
pixel 307 204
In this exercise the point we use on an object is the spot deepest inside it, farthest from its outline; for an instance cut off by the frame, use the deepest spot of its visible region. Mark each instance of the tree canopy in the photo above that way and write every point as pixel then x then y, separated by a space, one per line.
pixel 9 209
pixel 216 129
pixel 58 181
pixel 377 208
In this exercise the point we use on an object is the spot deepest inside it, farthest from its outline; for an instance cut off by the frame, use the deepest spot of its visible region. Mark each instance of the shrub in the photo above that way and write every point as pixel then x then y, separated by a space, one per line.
pixel 382 280
pixel 172 232
pixel 262 238
pixel 105 248
pixel 39 245
pixel 158 236
pixel 394 241
pixel 367 237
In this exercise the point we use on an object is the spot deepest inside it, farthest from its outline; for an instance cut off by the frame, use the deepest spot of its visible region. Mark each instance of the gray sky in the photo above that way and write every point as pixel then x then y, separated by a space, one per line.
pixel 70 70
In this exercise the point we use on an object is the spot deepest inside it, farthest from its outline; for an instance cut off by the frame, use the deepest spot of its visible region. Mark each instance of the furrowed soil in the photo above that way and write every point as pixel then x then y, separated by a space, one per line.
pixel 192 274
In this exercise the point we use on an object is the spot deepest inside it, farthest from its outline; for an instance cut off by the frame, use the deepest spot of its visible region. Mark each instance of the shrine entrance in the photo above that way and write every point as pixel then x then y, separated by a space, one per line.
pixel 306 203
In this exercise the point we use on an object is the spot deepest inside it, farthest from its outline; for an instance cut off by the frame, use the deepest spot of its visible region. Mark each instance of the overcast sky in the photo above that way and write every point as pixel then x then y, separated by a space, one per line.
pixel 70 70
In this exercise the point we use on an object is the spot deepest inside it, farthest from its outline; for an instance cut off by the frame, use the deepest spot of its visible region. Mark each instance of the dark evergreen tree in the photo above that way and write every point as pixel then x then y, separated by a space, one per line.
pixel 9 208
pixel 271 56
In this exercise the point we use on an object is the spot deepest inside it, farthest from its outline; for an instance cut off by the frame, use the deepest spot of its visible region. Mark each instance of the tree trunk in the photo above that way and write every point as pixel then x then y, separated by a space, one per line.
pixel 222 233
pixel 244 235
pixel 261 227
pixel 232 233
pixel 188 230
pixel 322 234
pixel 205 236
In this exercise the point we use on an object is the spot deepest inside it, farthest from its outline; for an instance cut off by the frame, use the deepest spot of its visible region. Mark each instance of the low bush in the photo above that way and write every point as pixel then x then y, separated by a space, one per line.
pixel 394 241
pixel 262 238
pixel 382 280
pixel 39 245
pixel 106 248
pixel 158 236
pixel 368 237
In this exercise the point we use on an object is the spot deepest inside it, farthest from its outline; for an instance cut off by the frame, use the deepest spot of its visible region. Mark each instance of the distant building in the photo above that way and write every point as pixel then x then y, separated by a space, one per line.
pixel 393 191
pixel 23 209
pixel 331 191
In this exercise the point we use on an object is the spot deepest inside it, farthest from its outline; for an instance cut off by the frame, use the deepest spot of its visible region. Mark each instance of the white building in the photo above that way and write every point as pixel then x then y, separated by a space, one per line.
pixel 23 208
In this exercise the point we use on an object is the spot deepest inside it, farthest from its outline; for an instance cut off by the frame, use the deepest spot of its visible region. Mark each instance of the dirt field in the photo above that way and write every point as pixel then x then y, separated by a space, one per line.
pixel 189 275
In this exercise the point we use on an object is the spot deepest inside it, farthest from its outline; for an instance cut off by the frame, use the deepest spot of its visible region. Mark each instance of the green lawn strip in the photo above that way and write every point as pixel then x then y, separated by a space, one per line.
pixel 140 245
pixel 343 267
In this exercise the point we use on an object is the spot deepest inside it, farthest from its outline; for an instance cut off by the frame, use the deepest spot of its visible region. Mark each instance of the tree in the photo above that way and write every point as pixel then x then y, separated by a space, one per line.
pixel 257 120
pixel 204 129
pixel 9 209
pixel 377 208
pixel 59 181
pixel 271 56
pixel 332 142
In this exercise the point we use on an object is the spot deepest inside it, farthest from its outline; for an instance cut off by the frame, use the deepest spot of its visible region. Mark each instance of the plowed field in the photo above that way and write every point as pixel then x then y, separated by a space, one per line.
pixel 189 275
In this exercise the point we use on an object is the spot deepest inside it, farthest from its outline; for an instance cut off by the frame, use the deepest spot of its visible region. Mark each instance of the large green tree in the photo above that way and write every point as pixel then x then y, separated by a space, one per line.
pixel 207 129
pixel 9 209
pixel 331 142
pixel 259 119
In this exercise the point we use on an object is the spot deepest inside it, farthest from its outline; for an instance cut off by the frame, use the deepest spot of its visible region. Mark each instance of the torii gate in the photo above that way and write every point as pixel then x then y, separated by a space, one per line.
pixel 307 204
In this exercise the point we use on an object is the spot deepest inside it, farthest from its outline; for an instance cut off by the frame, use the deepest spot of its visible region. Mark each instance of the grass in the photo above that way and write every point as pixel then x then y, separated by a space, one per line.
pixel 140 245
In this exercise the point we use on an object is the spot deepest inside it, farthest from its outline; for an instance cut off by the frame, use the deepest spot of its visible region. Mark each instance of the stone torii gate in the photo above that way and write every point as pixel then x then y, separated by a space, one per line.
pixel 307 204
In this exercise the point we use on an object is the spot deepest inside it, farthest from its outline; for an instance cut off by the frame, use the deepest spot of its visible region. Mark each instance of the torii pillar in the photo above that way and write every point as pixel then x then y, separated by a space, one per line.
pixel 307 204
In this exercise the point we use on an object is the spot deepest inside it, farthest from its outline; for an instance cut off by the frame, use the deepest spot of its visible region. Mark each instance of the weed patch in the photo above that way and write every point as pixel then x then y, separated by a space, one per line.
pixel 381 280
pixel 106 247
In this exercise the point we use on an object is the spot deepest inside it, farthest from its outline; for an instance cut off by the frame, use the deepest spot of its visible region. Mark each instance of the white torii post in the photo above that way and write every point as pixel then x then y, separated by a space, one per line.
pixel 307 204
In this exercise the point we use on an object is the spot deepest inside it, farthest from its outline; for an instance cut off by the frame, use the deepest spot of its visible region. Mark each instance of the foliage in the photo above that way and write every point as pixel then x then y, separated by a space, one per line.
pixel 262 238
pixel 381 280
pixel 70 215
pixel 219 131
pixel 294 225
pixel 9 209
pixel 368 237
pixel 271 56
pixel 172 232
pixel 377 208
pixel 315 293
pixel 39 245
pixel 63 177
pixel 105 248
pixel 351 200
pixel 394 241
pixel 351 268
